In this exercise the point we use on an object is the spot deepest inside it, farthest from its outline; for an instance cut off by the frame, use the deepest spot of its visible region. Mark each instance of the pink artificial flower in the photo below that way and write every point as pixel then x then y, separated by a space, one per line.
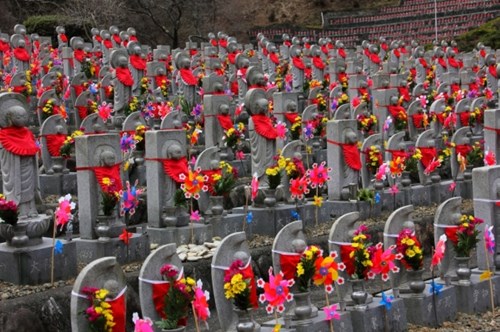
pixel 255 186
pixel 381 173
pixel 200 302
pixel 489 158
pixel 318 174
pixel 439 251
pixel 63 213
pixel 489 239
pixel 104 111
pixel 239 155
pixel 387 123
pixel 281 130
pixel 142 325
pixel 452 186
pixel 435 163
pixel 331 312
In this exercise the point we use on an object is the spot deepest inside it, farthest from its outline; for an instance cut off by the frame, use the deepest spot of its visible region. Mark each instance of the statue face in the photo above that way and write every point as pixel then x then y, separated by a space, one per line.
pixel 108 158
pixel 214 164
pixel 261 106
pixel 224 109
pixel 18 116
pixel 22 43
pixel 291 107
pixel 122 61
pixel 299 245
pixel 174 152
pixel 242 256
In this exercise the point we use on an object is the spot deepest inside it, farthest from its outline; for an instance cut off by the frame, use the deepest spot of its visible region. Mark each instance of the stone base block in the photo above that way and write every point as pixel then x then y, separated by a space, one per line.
pixel 316 324
pixel 377 318
pixel 476 297
pixel 230 223
pixel 420 309
pixel 32 265
pixel 136 250
pixel 58 184
pixel 495 283
pixel 180 235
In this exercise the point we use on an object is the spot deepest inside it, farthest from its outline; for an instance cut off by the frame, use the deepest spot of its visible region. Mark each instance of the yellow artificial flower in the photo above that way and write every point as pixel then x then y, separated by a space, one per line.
pixel 300 269
pixel 318 201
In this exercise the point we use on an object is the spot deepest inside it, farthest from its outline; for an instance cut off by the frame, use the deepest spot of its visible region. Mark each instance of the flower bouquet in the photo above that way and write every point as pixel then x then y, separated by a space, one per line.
pixel 358 257
pixel 223 183
pixel 465 236
pixel 69 144
pixel 110 196
pixel 178 298
pixel 306 268
pixel 237 286
pixel 408 245
pixel 99 313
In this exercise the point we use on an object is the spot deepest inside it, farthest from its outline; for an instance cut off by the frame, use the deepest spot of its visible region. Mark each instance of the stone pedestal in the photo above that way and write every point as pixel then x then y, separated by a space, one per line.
pixel 31 265
pixel 136 250
pixel 180 235
pixel 420 309
pixel 58 184
pixel 316 324
pixel 377 318
pixel 476 297
pixel 484 289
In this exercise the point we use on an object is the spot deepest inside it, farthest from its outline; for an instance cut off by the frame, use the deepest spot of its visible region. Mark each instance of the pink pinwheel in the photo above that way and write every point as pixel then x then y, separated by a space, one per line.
pixel 383 261
pixel 394 189
pixel 200 302
pixel 129 199
pixel 489 158
pixel 331 312
pixel 104 111
pixel 281 130
pixel 423 101
pixel 435 163
pixel 195 215
pixel 381 173
pixel 439 251
pixel 308 131
pixel 489 239
pixel 298 187
pixel 63 212
pixel 387 123
pixel 255 186
pixel 450 120
pixel 276 291
pixel 239 155
pixel 163 109
pixel 452 186
pixel 318 174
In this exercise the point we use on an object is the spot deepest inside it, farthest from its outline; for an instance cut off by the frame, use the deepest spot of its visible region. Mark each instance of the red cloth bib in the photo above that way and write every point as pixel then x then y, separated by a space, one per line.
pixel 63 38
pixel 137 62
pixel 124 76
pixel 175 167
pixel 442 62
pixel 428 154
pixel 395 110
pixel 463 149
pixel 82 111
pixel 423 63
pixel 119 313
pixel 351 156
pixel 4 46
pixel 159 80
pixel 225 121
pixel 403 91
pixel 291 117
pixel 107 43
pixel 451 233
pixel 159 292
pixel 274 58
pixel 374 58
pixel 453 62
pixel 418 120
pixel 54 143
pixel 288 263
pixel 264 127
pixel 297 62
pixel 187 76
pixel 21 54
pixel 492 69
pixel 117 39
pixel 341 52
pixel 78 89
pixel 232 57
pixel 19 141
pixel 464 118
pixel 79 55
pixel 318 62
pixel 112 172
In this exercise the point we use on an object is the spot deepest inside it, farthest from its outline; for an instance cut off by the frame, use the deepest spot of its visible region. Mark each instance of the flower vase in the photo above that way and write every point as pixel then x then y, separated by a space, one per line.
pixel 59 165
pixel 216 205
pixel 227 154
pixel 103 227
pixel 303 308
pixel 415 281
pixel 245 322
pixel 359 295
pixel 270 200
pixel 169 217
pixel 463 271
pixel 406 180
pixel 468 172
pixel 20 238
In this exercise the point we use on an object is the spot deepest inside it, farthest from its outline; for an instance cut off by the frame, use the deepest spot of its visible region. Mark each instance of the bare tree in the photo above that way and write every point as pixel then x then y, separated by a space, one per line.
pixel 97 13
pixel 165 15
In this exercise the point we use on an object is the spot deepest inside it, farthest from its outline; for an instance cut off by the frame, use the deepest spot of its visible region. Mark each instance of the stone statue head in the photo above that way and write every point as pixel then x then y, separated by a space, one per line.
pixel 107 158
pixel 113 287
pixel 94 31
pixel 261 106
pixel 350 136
pixel 299 246
pixel 13 110
pixel 174 151
pixel 211 35
pixel 291 107
pixel 21 43
pixel 224 109
pixel 242 256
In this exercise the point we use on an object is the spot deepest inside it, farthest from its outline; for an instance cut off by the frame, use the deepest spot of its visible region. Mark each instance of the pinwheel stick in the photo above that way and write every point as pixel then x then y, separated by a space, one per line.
pixel 195 318
pixel 490 281
pixel 246 206
pixel 191 221
pixel 328 304
pixel 434 292
pixel 53 252
pixel 317 207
